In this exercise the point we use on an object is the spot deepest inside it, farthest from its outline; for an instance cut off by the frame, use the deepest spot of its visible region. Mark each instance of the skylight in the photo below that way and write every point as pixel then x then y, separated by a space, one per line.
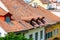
pixel 27 1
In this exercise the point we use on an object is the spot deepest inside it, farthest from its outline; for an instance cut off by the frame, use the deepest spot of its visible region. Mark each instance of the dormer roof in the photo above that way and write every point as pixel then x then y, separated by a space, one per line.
pixel 22 11
pixel 3 12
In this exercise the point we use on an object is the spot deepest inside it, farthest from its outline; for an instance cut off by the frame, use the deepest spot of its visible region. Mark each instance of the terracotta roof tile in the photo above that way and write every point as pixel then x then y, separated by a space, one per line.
pixel 39 11
pixel 27 13
pixel 48 14
pixel 22 11
pixel 44 1
pixel 47 1
pixel 2 12
pixel 26 25
pixel 58 4
pixel 13 27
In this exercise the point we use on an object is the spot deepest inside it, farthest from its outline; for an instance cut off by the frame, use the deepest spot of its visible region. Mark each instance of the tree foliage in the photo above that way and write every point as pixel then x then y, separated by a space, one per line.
pixel 12 36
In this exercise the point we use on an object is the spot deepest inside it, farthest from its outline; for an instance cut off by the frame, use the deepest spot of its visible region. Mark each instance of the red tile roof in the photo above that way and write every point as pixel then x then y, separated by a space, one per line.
pixel 48 15
pixel 58 4
pixel 22 11
pixel 48 1
pixel 20 14
pixel 12 27
pixel 2 12
pixel 39 11
pixel 44 1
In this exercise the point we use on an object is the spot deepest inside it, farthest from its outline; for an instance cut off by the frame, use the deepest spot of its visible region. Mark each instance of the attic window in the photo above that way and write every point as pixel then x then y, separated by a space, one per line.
pixel 32 22
pixel 42 20
pixel 38 21
pixel 7 19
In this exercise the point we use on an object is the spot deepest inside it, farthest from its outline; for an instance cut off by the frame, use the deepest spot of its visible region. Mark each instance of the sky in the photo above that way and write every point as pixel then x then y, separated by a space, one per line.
pixel 58 0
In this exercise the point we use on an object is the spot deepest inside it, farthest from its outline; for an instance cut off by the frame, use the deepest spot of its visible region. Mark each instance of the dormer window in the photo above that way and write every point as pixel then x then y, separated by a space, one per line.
pixel 32 22
pixel 38 21
pixel 7 19
pixel 42 20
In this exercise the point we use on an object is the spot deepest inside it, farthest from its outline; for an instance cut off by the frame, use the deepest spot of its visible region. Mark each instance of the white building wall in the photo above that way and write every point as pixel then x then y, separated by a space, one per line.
pixel 33 31
pixel 58 7
pixel 3 33
pixel 51 5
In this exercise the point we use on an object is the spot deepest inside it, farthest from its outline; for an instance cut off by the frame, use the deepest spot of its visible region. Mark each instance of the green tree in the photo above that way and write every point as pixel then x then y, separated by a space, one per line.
pixel 12 36
pixel 1 38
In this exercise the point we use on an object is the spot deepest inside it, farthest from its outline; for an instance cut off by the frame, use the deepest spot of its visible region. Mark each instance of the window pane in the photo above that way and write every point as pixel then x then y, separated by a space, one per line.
pixel 7 19
pixel 49 34
pixel 46 36
pixel 30 36
pixel 36 36
pixel 41 34
pixel 55 31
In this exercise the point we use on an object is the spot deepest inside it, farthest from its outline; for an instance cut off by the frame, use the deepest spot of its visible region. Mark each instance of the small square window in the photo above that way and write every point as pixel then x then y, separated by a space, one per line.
pixel 49 34
pixel 7 19
pixel 30 36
